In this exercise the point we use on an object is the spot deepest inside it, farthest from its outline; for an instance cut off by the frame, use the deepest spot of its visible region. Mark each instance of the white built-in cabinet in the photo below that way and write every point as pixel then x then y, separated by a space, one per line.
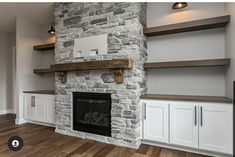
pixel 156 121
pixel 39 108
pixel 198 125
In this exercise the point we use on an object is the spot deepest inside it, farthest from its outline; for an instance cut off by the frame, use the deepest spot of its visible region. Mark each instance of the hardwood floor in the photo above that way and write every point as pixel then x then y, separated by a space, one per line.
pixel 43 141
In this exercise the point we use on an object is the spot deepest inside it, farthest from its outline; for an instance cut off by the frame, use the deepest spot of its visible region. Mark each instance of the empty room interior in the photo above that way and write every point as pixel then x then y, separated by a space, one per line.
pixel 117 79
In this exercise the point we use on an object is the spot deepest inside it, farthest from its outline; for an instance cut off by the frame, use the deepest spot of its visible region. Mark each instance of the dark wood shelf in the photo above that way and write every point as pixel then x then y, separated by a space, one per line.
pixel 45 47
pixel 41 71
pixel 196 25
pixel 216 99
pixel 40 92
pixel 189 63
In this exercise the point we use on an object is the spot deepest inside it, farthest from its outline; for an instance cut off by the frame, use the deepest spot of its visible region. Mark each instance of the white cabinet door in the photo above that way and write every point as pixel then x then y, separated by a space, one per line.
pixel 215 130
pixel 29 107
pixel 156 121
pixel 184 124
pixel 40 108
pixel 50 109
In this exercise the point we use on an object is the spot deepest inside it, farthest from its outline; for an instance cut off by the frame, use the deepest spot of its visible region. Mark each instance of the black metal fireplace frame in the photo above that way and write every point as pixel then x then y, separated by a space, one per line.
pixel 106 131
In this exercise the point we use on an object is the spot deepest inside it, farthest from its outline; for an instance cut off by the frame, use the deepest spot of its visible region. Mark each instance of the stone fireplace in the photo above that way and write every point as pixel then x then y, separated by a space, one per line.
pixel 123 23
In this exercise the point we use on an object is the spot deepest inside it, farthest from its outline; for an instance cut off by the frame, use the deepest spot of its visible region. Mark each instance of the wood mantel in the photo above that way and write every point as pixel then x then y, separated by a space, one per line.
pixel 118 65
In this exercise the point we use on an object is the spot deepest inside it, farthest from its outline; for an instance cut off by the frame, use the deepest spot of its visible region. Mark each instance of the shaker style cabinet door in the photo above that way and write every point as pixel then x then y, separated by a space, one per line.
pixel 29 107
pixel 184 124
pixel 40 108
pixel 50 109
pixel 215 129
pixel 156 121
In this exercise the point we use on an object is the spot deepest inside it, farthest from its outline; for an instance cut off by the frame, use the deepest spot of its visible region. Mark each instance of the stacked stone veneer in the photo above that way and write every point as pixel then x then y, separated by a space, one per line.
pixel 123 22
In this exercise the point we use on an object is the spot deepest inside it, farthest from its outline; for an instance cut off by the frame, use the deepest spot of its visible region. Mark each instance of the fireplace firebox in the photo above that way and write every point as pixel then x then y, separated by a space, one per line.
pixel 92 112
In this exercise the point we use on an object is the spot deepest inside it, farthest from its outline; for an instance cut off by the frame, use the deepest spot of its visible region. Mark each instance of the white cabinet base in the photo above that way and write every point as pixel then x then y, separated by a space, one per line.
pixel 39 109
pixel 201 126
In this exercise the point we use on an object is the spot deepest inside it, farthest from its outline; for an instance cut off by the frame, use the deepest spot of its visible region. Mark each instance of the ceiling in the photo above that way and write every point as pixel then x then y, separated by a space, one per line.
pixel 41 13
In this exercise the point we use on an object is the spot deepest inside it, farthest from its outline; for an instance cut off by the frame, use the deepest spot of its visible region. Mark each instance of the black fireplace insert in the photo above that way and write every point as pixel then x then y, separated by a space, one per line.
pixel 92 112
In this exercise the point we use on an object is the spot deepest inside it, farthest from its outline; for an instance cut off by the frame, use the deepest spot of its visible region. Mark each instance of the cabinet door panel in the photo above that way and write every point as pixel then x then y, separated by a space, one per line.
pixel 26 106
pixel 156 121
pixel 29 107
pixel 50 109
pixel 215 132
pixel 40 107
pixel 184 124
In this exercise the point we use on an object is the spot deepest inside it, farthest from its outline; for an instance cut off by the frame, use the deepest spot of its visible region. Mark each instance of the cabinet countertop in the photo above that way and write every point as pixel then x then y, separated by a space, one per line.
pixel 216 99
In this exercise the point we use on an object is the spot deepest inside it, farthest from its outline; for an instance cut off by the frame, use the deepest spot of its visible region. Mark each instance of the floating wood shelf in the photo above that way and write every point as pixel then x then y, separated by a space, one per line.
pixel 196 25
pixel 117 65
pixel 40 92
pixel 190 63
pixel 216 99
pixel 41 71
pixel 45 47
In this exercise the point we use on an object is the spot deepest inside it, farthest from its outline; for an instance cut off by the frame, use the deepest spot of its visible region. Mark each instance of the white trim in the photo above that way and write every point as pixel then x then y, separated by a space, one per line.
pixel 2 112
pixel 191 150
pixel 20 121
pixel 23 121
pixel 14 77
pixel 71 98
pixel 41 123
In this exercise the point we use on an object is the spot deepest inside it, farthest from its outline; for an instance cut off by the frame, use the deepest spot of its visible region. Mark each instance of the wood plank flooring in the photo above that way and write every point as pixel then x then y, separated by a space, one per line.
pixel 41 141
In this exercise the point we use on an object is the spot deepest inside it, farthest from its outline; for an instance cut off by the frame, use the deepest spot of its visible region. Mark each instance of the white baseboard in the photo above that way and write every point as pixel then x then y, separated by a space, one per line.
pixel 191 150
pixel 2 112
pixel 23 121
pixel 20 121
pixel 41 123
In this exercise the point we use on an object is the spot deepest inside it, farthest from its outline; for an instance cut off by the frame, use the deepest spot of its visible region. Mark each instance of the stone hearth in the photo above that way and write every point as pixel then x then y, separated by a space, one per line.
pixel 123 22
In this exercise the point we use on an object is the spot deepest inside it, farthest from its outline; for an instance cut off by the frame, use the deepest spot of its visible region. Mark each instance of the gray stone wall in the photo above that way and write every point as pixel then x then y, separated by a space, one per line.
pixel 123 22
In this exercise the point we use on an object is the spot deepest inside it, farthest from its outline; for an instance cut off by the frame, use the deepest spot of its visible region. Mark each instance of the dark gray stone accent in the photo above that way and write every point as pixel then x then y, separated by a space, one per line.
pixel 68 43
pixel 118 11
pixel 96 21
pixel 72 21
pixel 108 77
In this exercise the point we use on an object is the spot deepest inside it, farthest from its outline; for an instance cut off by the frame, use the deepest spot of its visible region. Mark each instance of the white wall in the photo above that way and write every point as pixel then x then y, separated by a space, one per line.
pixel 6 71
pixel 187 81
pixel 28 34
pixel 230 49
pixel 161 13
pixel 206 44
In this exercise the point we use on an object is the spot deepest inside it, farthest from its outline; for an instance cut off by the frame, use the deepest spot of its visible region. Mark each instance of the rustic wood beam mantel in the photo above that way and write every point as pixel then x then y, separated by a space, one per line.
pixel 117 65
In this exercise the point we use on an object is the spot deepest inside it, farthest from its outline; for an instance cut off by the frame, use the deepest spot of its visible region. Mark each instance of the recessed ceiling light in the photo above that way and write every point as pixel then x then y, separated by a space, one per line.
pixel 179 5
